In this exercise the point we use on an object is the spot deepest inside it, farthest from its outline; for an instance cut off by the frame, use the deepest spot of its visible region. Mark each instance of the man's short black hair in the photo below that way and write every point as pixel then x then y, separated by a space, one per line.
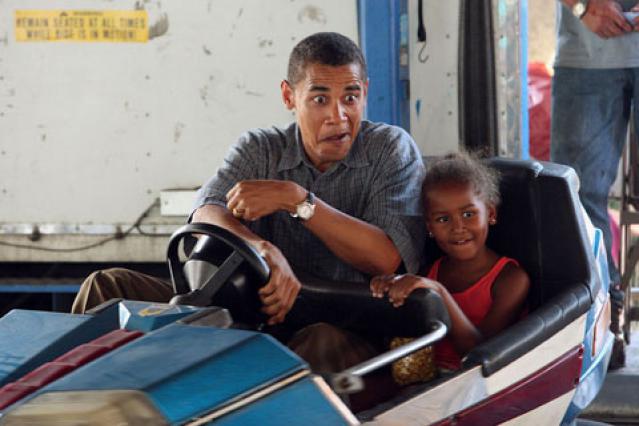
pixel 326 48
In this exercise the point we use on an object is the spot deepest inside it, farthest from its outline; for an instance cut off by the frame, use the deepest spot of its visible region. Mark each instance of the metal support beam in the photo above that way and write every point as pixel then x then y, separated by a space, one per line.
pixel 383 36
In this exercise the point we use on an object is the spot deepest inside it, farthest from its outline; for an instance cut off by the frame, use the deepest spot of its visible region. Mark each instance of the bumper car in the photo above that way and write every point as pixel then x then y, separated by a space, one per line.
pixel 204 358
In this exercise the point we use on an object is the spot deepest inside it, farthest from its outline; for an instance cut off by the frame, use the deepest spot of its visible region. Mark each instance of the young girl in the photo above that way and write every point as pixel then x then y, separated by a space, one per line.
pixel 483 291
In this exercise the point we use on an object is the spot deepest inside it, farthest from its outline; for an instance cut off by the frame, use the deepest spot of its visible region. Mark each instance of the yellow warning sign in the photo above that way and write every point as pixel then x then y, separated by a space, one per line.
pixel 82 25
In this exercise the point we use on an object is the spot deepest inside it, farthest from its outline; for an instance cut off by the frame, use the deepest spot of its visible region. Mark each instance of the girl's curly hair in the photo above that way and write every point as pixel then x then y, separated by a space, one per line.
pixel 463 168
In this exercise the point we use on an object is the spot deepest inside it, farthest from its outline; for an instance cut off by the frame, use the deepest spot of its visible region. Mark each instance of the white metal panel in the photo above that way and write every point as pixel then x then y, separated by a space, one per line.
pixel 434 79
pixel 547 352
pixel 176 202
pixel 90 133
pixel 439 402
pixel 434 115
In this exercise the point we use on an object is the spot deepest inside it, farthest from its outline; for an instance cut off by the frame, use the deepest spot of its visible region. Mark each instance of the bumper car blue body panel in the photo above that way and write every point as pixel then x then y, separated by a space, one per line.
pixel 31 338
pixel 185 370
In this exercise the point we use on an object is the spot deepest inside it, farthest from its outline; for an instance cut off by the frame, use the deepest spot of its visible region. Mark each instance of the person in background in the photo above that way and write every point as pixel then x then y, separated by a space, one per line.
pixel 594 88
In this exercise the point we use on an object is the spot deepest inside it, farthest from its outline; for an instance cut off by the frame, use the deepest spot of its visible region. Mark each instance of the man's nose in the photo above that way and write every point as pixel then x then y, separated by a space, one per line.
pixel 337 113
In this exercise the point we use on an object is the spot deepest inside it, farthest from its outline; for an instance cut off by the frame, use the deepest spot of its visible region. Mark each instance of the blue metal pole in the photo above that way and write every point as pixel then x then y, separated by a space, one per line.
pixel 383 33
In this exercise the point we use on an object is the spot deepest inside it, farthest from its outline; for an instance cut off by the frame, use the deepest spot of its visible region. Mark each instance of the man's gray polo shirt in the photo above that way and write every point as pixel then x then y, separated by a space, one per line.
pixel 379 182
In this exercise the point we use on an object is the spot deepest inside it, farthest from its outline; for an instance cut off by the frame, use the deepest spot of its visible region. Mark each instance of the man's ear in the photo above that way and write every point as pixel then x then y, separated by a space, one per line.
pixel 287 95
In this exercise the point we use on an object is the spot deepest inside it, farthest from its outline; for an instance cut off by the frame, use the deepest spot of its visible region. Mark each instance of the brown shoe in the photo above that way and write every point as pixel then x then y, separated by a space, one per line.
pixel 618 357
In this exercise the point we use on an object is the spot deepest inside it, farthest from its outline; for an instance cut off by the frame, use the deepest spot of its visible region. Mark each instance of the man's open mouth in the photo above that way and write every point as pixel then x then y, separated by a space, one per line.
pixel 338 137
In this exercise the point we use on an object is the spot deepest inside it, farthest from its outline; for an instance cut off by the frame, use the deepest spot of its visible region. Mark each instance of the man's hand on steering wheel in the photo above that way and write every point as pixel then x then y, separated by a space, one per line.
pixel 278 295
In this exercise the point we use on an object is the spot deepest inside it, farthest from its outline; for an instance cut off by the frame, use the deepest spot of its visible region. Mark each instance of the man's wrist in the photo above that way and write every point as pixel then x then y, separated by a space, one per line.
pixel 294 197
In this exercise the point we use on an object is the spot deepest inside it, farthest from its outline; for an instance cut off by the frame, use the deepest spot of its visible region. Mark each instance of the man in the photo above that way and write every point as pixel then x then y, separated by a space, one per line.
pixel 330 196
pixel 595 84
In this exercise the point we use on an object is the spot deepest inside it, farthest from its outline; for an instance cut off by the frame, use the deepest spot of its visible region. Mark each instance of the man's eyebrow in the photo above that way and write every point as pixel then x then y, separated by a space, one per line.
pixel 316 88
pixel 319 88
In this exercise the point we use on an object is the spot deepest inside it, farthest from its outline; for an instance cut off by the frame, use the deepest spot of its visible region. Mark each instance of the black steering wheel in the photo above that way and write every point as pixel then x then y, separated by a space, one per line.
pixel 241 271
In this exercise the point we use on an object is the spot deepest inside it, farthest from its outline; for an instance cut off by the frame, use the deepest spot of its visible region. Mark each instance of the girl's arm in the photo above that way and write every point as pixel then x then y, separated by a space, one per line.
pixel 509 293
pixel 462 332
pixel 509 296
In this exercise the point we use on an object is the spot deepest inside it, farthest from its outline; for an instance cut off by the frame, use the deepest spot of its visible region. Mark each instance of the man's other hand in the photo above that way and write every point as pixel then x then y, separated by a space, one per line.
pixel 278 295
pixel 253 199
pixel 635 20
pixel 605 18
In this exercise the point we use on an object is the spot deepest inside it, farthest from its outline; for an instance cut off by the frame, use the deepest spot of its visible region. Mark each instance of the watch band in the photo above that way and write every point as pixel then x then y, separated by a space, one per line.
pixel 310 198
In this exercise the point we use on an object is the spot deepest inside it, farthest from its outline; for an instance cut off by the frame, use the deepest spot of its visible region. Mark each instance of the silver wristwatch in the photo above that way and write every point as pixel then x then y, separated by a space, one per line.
pixel 305 209
pixel 579 8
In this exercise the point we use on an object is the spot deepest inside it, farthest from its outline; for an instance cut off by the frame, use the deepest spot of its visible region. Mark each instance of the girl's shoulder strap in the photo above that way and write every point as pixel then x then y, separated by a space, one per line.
pixel 498 267
pixel 434 269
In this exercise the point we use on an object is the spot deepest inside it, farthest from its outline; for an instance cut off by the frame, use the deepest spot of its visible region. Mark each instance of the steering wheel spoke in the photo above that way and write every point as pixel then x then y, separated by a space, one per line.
pixel 222 275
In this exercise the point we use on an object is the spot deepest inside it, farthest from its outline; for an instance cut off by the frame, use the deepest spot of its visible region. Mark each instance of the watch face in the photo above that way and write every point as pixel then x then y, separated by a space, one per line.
pixel 305 211
pixel 578 9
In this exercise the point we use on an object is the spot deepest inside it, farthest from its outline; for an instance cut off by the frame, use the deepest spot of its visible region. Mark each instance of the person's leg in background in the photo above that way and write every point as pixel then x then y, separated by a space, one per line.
pixel 119 283
pixel 590 114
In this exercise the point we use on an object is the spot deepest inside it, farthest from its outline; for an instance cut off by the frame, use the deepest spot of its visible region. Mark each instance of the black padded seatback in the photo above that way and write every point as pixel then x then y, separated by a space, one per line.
pixel 540 224
pixel 516 233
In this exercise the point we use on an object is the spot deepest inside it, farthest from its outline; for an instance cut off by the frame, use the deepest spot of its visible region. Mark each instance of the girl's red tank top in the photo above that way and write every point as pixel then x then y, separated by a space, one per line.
pixel 475 302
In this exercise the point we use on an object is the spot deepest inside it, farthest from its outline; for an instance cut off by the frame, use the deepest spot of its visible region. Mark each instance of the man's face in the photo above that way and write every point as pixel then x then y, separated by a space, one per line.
pixel 329 102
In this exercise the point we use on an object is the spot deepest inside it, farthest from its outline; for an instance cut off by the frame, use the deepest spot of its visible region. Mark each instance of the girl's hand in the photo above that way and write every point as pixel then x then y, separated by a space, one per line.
pixel 403 285
pixel 380 284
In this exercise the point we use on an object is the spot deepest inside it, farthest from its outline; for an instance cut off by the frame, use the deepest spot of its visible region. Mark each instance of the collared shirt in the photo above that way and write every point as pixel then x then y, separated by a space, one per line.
pixel 379 181
pixel 578 47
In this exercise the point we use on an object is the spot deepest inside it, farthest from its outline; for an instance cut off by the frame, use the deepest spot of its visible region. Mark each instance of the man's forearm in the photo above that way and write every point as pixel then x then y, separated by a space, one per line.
pixel 364 246
pixel 220 216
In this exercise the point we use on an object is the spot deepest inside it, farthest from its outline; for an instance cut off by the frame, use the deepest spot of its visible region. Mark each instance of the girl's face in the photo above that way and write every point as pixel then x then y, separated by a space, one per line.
pixel 458 219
